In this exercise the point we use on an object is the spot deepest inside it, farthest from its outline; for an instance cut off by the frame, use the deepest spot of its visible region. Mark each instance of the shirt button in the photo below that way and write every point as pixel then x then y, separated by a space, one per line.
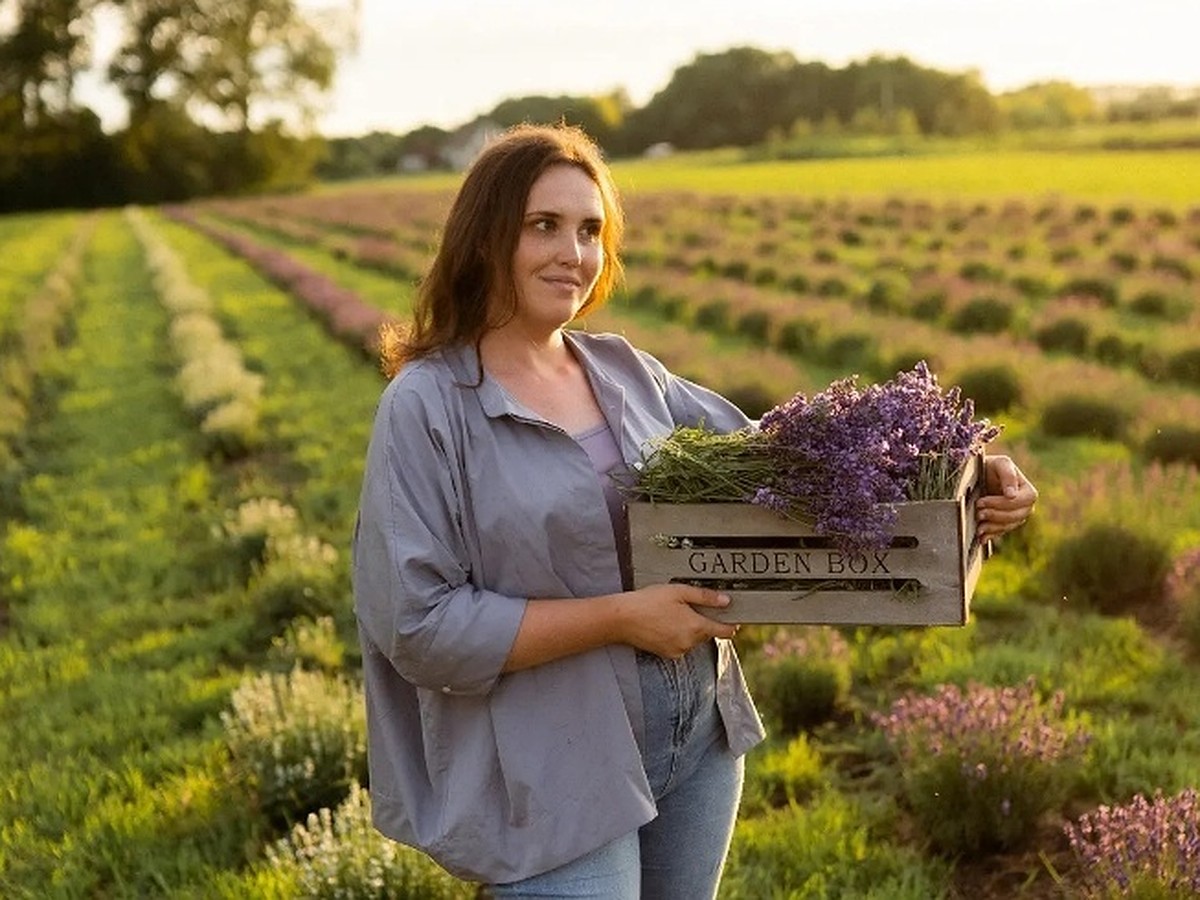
pixel 445 688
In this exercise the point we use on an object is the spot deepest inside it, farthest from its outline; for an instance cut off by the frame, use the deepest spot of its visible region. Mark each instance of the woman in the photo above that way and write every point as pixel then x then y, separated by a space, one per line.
pixel 534 725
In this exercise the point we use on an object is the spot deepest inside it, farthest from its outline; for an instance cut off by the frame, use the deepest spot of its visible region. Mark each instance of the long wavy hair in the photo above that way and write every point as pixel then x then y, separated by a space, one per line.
pixel 474 259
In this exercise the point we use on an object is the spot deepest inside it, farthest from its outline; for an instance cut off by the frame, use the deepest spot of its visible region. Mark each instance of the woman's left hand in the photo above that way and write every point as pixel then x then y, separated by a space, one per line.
pixel 1008 499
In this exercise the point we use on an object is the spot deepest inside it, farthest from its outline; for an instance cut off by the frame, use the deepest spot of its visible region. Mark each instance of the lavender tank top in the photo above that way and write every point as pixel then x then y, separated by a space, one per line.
pixel 605 454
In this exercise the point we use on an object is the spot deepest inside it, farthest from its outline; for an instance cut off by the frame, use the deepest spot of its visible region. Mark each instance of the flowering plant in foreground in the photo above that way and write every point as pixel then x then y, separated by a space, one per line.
pixel 1146 848
pixel 981 765
pixel 841 459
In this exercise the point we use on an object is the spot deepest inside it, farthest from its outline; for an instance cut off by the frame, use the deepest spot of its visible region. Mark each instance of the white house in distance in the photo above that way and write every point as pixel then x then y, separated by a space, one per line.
pixel 466 143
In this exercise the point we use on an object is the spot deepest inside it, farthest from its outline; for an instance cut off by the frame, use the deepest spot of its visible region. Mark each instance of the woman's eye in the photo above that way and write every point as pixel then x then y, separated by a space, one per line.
pixel 546 225
pixel 590 233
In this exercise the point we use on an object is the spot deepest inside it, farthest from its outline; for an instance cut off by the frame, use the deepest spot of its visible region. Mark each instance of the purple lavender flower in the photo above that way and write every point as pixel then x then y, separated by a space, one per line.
pixel 1001 753
pixel 1144 843
pixel 847 456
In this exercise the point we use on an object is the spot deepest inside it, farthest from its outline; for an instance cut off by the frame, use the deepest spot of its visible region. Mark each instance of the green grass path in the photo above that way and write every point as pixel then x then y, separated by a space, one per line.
pixel 110 671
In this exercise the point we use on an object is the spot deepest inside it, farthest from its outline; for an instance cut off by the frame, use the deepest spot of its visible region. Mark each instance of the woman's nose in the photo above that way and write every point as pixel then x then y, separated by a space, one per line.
pixel 571 251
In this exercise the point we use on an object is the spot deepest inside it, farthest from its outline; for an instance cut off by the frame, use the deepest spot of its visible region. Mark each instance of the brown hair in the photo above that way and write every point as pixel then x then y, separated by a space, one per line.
pixel 474 260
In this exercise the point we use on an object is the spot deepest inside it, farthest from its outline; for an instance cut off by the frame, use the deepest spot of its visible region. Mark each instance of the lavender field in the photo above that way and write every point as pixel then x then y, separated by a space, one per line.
pixel 185 395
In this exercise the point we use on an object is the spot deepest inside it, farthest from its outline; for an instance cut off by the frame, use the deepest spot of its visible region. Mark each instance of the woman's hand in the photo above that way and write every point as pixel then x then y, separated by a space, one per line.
pixel 661 620
pixel 1008 500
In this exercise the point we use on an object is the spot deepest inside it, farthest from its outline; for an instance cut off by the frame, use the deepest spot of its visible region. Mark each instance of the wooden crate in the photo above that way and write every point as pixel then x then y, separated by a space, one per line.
pixel 778 570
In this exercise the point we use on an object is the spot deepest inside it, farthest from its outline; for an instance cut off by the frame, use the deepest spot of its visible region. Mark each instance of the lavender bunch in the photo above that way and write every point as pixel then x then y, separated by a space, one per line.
pixel 981 766
pixel 1144 848
pixel 865 450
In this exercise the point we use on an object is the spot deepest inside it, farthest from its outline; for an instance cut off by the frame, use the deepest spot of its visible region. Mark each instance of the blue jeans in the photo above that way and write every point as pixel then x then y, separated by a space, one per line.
pixel 696 782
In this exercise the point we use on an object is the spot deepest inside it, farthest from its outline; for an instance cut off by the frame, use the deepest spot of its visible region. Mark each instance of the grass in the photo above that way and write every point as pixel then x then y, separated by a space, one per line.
pixel 1171 178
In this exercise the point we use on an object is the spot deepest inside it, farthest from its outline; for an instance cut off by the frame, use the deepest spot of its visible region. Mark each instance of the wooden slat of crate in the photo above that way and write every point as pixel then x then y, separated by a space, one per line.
pixel 945 562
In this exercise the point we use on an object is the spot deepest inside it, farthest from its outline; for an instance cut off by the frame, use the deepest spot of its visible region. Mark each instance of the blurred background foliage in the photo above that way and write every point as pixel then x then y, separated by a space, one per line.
pixel 221 97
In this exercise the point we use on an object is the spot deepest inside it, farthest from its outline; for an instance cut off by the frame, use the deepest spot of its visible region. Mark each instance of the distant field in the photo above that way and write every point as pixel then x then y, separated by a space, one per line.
pixel 1171 177
pixel 1142 177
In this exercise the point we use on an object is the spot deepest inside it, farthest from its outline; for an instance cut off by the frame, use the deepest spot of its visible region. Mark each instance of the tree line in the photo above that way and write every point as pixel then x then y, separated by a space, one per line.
pixel 216 90
pixel 749 97
pixel 213 88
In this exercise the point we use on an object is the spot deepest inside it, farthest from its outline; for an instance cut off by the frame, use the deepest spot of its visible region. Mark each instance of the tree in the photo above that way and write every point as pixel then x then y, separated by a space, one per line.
pixel 942 102
pixel 733 98
pixel 42 56
pixel 1048 104
pixel 233 64
pixel 600 116
pixel 261 56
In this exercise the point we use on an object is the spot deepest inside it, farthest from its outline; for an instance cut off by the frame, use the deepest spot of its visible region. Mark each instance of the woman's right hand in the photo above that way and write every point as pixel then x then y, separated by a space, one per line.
pixel 660 619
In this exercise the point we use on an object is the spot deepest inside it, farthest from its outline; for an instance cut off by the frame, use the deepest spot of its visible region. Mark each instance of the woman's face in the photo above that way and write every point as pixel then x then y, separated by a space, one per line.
pixel 559 253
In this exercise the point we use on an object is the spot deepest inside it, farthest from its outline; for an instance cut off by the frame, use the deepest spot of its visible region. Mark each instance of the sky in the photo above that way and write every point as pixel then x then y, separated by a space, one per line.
pixel 444 62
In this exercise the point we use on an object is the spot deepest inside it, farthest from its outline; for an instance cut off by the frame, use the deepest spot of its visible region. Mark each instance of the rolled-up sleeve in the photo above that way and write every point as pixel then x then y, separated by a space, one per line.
pixel 413 592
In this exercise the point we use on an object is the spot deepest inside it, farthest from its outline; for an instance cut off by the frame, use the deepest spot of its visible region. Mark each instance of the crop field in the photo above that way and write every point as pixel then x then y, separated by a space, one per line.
pixel 185 398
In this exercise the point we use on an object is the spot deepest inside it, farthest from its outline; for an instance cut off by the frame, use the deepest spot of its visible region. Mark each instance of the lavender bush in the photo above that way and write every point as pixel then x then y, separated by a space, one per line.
pixel 1144 849
pixel 980 766
pixel 801 676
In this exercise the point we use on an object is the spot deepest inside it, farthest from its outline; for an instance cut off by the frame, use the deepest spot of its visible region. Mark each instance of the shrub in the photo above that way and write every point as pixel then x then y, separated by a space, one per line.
pixel 1144 848
pixel 1185 366
pixel 978 270
pixel 341 854
pixel 888 292
pixel 298 578
pixel 1066 335
pixel 1098 288
pixel 801 677
pixel 981 766
pixel 833 286
pixel 1077 416
pixel 797 283
pixel 1035 286
pixel 753 398
pixel 737 269
pixel 1109 568
pixel 929 306
pixel 1159 304
pixel 713 316
pixel 1173 265
pixel 1181 592
pixel 1116 350
pixel 992 388
pixel 1174 444
pixel 784 776
pixel 1123 260
pixel 982 315
pixel 850 350
pixel 797 336
pixel 298 738
pixel 764 275
pixel 308 644
pixel 247 529
pixel 756 325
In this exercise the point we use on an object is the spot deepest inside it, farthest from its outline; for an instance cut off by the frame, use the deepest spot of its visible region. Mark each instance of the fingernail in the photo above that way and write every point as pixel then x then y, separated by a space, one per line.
pixel 1010 491
pixel 723 599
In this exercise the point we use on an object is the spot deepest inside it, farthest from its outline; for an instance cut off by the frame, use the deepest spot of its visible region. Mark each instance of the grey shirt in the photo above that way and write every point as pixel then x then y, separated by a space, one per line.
pixel 470 506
